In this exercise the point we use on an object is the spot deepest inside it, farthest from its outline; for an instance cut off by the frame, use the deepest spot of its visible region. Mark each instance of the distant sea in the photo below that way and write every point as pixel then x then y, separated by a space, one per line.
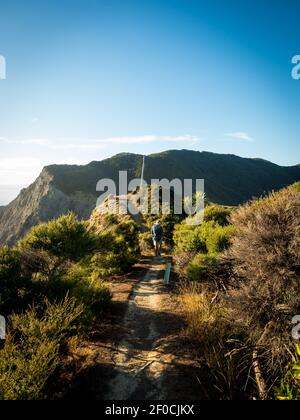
pixel 9 193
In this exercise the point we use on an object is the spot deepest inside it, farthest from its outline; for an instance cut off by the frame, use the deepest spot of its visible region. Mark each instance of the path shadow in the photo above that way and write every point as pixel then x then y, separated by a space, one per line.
pixel 141 347
pixel 179 379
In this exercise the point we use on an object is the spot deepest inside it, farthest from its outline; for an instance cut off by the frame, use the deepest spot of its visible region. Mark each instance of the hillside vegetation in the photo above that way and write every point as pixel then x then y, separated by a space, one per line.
pixel 240 291
pixel 229 180
pixel 53 290
pixel 239 286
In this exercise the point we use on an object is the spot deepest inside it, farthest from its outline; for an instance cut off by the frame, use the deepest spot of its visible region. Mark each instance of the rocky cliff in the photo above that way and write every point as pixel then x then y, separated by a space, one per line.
pixel 40 202
pixel 229 180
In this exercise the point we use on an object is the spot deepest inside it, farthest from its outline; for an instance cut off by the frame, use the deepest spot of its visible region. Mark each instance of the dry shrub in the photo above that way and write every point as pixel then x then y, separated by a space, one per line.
pixel 266 260
pixel 182 260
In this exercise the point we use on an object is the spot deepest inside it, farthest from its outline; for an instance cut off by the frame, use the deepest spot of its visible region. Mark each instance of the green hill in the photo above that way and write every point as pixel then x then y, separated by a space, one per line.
pixel 229 180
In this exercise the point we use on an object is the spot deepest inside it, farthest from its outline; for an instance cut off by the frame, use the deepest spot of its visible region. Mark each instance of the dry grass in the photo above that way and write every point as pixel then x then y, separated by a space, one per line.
pixel 266 259
pixel 205 316
pixel 218 339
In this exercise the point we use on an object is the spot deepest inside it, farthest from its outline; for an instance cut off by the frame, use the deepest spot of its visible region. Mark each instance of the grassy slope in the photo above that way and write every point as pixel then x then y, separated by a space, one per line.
pixel 229 179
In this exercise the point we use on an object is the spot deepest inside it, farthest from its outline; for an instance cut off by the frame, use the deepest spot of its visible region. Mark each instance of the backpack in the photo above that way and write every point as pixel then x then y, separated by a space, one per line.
pixel 157 232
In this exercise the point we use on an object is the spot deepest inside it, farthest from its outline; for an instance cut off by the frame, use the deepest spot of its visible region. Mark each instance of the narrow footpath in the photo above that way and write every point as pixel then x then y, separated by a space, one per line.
pixel 143 357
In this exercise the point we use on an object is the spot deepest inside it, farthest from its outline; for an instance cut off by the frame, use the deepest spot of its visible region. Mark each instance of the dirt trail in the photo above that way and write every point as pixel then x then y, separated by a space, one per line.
pixel 140 357
pixel 145 359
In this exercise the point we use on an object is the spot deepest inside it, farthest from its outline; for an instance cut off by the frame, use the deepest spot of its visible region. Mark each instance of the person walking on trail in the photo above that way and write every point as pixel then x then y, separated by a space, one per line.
pixel 157 235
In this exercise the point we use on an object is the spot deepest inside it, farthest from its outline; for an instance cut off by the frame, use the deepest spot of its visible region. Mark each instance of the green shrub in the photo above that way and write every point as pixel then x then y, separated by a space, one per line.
pixel 218 214
pixel 203 233
pixel 296 186
pixel 219 239
pixel 63 261
pixel 117 249
pixel 65 237
pixel 39 264
pixel 78 282
pixel 111 219
pixel 55 322
pixel 168 222
pixel 209 237
pixel 127 232
pixel 191 238
pixel 202 267
pixel 15 288
pixel 88 290
pixel 32 351
pixel 113 263
pixel 185 239
pixel 51 256
pixel 24 371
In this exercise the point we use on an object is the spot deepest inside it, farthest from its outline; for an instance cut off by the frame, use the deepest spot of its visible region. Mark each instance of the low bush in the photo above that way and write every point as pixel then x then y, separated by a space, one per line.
pixel 203 267
pixel 65 237
pixel 117 248
pixel 33 350
pixel 210 237
pixel 89 290
pixel 265 257
pixel 51 262
pixel 15 287
pixel 187 240
pixel 219 238
pixel 24 371
pixel 218 214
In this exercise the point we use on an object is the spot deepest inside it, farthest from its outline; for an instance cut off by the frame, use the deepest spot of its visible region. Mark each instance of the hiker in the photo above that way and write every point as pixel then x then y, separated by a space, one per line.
pixel 157 235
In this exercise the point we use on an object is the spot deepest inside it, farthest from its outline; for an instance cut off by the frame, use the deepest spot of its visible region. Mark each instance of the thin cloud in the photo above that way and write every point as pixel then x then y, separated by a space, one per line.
pixel 94 144
pixel 36 142
pixel 239 135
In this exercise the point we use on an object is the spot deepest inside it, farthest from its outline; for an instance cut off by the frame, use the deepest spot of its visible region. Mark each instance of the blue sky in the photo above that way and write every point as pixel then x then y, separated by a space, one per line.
pixel 88 79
